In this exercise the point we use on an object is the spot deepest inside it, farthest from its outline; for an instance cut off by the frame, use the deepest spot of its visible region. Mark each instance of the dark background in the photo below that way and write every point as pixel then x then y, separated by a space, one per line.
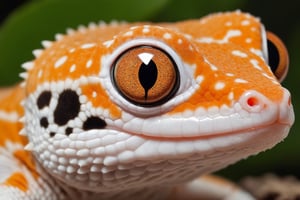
pixel 24 23
pixel 7 6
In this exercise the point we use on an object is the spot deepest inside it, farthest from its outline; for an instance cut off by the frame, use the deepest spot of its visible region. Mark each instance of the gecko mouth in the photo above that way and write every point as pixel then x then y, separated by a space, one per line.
pixel 215 135
pixel 252 112
pixel 285 126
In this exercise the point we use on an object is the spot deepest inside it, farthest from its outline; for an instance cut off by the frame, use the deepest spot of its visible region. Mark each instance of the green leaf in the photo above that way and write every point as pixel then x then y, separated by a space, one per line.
pixel 40 20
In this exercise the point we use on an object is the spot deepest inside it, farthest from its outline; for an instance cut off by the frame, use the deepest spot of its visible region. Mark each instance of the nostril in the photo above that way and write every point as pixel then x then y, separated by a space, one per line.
pixel 252 101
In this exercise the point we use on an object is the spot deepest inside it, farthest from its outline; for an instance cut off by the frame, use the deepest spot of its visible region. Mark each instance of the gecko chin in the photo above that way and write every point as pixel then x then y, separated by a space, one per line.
pixel 120 160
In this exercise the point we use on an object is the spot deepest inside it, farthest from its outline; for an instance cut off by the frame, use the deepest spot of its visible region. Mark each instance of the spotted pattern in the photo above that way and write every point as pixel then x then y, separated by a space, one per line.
pixel 69 131
pixel 67 108
pixel 44 99
pixel 67 113
pixel 94 123
pixel 44 122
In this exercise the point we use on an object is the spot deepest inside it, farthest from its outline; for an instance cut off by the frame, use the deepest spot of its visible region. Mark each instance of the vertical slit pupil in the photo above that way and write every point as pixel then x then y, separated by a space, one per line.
pixel 148 76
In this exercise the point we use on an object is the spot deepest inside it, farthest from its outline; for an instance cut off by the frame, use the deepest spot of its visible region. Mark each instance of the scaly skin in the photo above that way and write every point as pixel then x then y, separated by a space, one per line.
pixel 134 111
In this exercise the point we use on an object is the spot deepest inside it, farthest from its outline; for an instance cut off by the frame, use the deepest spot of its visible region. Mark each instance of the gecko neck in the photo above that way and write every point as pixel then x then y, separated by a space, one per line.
pixel 64 191
pixel 152 193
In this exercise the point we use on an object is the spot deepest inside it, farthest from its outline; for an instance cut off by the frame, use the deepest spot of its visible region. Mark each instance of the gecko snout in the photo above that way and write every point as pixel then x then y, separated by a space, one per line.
pixel 255 102
pixel 286 115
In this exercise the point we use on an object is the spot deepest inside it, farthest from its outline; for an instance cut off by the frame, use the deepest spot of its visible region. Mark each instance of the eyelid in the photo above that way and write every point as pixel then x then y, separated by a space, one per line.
pixel 264 43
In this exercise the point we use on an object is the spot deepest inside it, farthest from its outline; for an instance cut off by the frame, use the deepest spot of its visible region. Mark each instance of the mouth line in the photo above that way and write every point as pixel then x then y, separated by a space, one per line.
pixel 203 137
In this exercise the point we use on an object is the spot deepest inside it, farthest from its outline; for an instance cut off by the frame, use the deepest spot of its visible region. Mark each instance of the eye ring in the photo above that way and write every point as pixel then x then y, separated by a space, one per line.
pixel 145 75
pixel 277 56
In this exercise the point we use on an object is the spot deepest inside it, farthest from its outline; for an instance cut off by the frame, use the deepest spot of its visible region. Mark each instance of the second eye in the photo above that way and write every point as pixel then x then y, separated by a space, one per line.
pixel 145 75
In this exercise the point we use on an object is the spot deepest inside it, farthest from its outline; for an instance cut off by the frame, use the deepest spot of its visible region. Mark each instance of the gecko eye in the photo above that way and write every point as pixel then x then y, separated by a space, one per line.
pixel 145 75
pixel 277 56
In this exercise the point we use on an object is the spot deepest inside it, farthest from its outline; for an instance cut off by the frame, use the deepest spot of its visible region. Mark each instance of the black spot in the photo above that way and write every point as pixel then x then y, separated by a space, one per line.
pixel 44 122
pixel 67 108
pixel 68 131
pixel 52 134
pixel 44 99
pixel 94 123
pixel 147 76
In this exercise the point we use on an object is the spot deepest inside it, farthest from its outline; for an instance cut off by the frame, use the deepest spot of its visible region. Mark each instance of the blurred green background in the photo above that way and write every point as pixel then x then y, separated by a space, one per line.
pixel 24 23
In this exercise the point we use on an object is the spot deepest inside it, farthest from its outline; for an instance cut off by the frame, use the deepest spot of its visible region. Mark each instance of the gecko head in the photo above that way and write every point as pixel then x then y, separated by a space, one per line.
pixel 156 104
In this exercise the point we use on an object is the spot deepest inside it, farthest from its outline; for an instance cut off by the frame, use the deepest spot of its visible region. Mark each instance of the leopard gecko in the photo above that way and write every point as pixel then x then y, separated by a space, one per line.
pixel 141 110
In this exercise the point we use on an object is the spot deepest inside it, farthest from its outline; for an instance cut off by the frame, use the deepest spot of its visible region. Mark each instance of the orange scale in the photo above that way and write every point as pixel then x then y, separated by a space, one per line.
pixel 17 180
pixel 206 96
pixel 26 158
pixel 101 100
pixel 80 58
pixel 215 27
pixel 241 40
pixel 11 100
pixel 186 54
pixel 13 128
pixel 217 96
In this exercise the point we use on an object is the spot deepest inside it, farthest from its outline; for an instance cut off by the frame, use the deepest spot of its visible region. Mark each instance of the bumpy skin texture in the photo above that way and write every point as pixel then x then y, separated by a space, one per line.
pixel 134 111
